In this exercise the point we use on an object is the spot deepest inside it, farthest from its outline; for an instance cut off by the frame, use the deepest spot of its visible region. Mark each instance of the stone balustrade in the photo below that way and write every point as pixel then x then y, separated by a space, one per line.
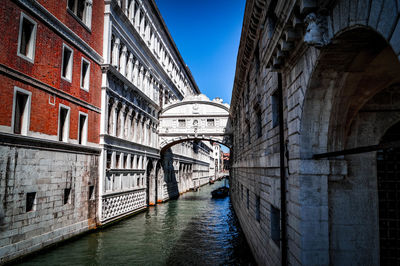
pixel 116 204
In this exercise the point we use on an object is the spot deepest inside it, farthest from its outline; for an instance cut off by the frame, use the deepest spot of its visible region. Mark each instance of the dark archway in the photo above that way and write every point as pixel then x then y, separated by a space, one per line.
pixel 350 101
pixel 356 66
pixel 182 173
pixel 223 141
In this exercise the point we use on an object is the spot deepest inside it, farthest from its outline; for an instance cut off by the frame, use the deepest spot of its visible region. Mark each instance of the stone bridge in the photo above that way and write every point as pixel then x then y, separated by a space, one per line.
pixel 194 118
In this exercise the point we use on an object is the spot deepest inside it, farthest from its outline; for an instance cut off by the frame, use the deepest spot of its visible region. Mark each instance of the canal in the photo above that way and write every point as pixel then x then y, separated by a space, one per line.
pixel 192 230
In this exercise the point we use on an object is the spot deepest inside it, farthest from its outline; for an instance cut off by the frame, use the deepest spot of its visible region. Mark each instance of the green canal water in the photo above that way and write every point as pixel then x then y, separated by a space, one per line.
pixel 192 230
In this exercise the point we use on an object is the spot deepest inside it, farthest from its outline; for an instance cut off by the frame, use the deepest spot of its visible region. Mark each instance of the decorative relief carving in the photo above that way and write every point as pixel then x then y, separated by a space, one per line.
pixel 317 30
pixel 195 108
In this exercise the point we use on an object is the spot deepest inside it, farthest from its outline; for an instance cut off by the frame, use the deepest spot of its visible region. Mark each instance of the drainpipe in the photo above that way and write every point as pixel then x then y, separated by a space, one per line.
pixel 282 173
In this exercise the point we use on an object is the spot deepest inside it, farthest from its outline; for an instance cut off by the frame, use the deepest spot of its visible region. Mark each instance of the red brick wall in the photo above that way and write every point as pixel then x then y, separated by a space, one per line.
pixel 94 38
pixel 43 115
pixel 47 68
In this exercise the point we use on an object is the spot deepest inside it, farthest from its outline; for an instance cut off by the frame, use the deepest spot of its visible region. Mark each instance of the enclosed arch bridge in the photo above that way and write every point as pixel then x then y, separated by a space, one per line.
pixel 196 117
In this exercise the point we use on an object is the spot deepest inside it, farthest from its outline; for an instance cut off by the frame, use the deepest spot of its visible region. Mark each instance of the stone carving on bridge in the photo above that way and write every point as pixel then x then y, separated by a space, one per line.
pixel 196 117
pixel 317 30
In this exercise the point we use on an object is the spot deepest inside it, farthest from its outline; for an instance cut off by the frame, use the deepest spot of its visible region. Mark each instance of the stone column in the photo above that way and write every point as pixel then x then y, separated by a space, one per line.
pixel 159 180
pixel 142 21
pixel 129 161
pixel 151 88
pixel 121 166
pixel 125 7
pixel 130 67
pixel 152 41
pixel 134 164
pixel 114 118
pixel 115 52
pixel 140 78
pixel 152 183
pixel 140 163
pixel 113 166
pixel 122 60
pixel 137 19
pixel 128 124
pixel 145 130
pixel 131 11
pixel 147 33
pixel 135 73
pixel 138 129
pixel 121 121
pixel 134 127
pixel 144 82
pixel 155 137
pixel 141 130
pixel 150 134
pixel 155 88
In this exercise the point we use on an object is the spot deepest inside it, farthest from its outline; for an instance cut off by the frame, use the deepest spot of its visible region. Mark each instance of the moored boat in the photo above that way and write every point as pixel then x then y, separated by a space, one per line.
pixel 221 192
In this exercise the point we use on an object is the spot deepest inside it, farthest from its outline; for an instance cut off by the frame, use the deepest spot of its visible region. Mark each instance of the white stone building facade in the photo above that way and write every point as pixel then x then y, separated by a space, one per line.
pixel 142 72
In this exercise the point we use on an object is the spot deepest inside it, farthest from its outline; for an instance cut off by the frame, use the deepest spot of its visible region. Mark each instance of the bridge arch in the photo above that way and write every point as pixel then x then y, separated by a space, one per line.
pixel 172 142
pixel 196 117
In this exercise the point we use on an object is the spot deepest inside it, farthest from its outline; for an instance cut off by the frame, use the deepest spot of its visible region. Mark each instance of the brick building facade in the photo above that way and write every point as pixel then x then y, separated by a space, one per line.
pixel 49 121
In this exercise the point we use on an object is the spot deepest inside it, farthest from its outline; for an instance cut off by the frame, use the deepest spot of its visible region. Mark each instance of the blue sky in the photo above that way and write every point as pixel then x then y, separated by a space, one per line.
pixel 207 34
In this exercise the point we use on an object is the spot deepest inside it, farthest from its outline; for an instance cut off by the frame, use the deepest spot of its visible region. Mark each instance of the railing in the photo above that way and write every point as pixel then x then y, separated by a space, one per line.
pixel 117 204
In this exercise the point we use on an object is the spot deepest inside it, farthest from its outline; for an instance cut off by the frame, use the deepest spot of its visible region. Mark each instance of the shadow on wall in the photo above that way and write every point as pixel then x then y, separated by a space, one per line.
pixel 170 176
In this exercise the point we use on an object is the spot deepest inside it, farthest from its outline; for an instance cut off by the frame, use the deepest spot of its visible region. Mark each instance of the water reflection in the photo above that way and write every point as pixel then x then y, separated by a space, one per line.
pixel 193 230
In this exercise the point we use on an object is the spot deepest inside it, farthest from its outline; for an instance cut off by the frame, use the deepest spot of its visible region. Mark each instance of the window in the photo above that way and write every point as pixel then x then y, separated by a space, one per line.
pixel 67 61
pixel 248 198
pixel 91 192
pixel 67 195
pixel 125 162
pixel 82 9
pixel 82 127
pixel 259 123
pixel 210 122
pixel 258 214
pixel 30 201
pixel 63 123
pixel 27 38
pixel 181 122
pixel 117 161
pixel 275 108
pixel 85 74
pixel 108 162
pixel 21 111
pixel 275 225
pixel 248 134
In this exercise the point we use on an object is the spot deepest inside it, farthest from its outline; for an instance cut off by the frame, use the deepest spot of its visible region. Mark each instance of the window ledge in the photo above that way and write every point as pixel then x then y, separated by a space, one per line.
pixel 45 144
pixel 30 60
pixel 67 79
pixel 79 21
pixel 85 89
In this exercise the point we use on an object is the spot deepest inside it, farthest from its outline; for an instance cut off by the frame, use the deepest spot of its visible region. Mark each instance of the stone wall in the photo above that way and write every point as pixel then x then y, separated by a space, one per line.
pixel 337 64
pixel 53 217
